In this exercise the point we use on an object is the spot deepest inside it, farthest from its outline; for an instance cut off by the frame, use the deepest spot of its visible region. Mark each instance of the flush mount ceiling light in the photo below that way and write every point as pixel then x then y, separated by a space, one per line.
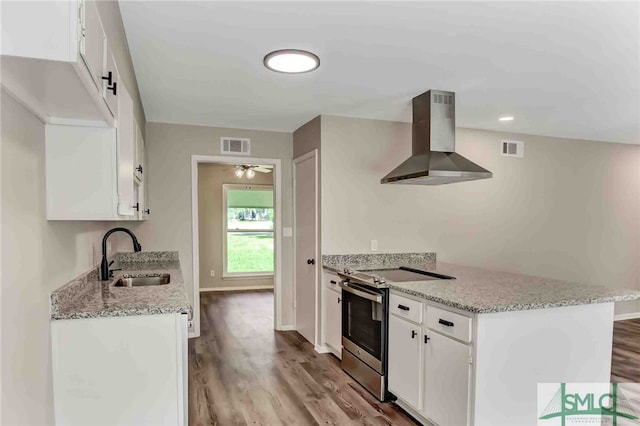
pixel 506 118
pixel 291 61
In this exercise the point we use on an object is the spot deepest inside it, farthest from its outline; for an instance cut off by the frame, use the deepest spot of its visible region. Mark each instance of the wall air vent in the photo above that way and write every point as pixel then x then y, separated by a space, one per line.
pixel 513 149
pixel 236 146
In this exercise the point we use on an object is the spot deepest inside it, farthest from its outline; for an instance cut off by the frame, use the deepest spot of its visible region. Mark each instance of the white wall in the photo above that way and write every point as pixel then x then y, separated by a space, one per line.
pixel 37 257
pixel 569 210
pixel 169 151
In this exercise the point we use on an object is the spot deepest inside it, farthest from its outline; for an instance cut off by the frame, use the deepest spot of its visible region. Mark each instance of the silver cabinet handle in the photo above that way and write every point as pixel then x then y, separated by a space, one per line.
pixel 374 297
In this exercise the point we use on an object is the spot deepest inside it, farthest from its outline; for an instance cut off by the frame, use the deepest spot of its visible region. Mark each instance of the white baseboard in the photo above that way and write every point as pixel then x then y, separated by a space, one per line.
pixel 336 352
pixel 286 328
pixel 322 349
pixel 237 288
pixel 630 315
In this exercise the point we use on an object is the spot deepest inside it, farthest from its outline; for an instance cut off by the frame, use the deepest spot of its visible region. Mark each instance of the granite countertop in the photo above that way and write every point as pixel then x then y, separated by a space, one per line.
pixel 88 297
pixel 484 291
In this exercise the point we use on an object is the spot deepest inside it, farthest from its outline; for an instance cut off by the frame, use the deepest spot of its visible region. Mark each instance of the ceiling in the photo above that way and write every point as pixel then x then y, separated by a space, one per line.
pixel 566 69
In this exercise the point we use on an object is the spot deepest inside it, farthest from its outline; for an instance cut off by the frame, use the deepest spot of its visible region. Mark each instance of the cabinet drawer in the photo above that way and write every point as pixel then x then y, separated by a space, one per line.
pixel 406 308
pixel 332 281
pixel 450 323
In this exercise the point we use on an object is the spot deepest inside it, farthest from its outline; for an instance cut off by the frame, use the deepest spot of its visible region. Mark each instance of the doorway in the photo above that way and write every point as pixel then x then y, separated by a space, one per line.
pixel 236 227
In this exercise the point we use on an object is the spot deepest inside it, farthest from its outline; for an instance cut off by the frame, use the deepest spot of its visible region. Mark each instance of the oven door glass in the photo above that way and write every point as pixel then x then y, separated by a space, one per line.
pixel 362 323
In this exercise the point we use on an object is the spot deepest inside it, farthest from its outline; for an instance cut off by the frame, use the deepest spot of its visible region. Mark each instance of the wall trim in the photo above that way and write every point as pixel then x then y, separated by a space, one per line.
pixel 286 328
pixel 237 288
pixel 630 315
pixel 277 231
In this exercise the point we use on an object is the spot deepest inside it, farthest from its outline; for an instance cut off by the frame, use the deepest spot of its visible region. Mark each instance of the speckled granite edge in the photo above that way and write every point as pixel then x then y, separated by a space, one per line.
pixel 72 290
pixel 480 290
pixel 515 306
pixel 376 260
pixel 76 299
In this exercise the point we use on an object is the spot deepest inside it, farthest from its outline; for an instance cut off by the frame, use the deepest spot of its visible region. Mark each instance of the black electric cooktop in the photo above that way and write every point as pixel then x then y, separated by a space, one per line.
pixel 406 274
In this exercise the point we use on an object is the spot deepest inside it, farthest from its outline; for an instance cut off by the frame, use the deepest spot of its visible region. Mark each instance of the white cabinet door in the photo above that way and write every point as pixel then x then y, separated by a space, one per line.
pixel 333 319
pixel 110 87
pixel 41 30
pixel 93 42
pixel 447 376
pixel 126 140
pixel 405 361
pixel 139 154
pixel 120 371
pixel 80 170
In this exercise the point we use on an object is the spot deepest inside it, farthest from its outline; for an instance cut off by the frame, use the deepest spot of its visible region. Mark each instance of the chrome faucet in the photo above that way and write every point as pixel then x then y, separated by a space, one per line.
pixel 104 265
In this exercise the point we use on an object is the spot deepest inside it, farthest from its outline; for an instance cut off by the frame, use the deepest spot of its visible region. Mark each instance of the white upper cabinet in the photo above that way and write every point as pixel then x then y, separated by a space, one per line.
pixel 138 171
pixel 80 170
pixel 42 30
pixel 93 41
pixel 110 83
pixel 54 59
pixel 126 141
pixel 89 169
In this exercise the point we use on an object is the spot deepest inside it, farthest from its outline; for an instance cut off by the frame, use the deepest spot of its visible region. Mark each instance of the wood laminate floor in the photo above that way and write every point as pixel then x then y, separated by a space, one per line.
pixel 243 372
pixel 625 360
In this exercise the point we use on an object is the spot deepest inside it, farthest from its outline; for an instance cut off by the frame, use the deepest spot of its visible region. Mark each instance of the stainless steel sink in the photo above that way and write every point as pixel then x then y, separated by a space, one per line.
pixel 140 280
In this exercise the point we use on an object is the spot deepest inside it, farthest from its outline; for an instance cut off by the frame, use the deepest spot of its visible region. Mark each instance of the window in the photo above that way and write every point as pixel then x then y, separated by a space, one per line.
pixel 248 230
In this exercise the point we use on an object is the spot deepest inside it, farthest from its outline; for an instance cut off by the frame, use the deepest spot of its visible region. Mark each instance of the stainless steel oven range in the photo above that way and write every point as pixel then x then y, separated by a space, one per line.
pixel 365 322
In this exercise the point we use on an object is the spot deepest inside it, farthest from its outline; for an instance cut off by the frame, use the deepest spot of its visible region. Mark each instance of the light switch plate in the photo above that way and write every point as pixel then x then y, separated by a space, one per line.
pixel 287 232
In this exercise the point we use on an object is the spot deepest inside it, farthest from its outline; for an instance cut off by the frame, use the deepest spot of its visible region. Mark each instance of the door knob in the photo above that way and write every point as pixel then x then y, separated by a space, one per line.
pixel 311 261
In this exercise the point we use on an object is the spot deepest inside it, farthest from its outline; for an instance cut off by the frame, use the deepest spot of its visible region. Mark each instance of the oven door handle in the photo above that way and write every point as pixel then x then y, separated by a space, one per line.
pixel 374 297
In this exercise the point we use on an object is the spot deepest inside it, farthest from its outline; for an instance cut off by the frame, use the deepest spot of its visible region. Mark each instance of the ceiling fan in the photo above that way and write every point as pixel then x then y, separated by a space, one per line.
pixel 250 171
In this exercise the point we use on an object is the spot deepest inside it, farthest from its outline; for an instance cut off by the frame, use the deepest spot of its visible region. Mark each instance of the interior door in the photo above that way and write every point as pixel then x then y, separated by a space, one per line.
pixel 306 240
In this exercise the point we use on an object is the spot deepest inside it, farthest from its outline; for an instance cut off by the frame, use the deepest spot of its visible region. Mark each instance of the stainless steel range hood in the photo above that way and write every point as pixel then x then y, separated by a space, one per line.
pixel 434 160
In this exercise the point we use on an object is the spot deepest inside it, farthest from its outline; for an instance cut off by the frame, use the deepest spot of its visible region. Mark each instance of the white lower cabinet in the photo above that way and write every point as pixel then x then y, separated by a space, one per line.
pixel 447 374
pixel 333 314
pixel 405 361
pixel 429 372
pixel 120 371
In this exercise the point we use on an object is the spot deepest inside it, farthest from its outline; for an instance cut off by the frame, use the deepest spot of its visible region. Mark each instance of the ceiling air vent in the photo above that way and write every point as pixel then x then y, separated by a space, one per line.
pixel 513 149
pixel 238 146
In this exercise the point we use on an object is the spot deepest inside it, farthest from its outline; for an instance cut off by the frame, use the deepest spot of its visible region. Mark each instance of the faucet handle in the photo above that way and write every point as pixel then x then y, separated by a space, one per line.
pixel 111 263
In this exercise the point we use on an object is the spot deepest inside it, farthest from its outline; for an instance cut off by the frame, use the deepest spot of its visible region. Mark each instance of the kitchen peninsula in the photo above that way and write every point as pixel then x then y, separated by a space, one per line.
pixel 471 350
